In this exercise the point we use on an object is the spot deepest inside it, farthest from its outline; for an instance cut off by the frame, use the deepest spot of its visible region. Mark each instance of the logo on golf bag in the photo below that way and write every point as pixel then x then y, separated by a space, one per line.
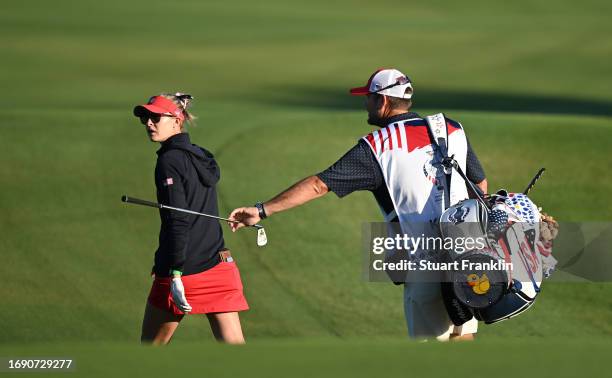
pixel 480 284
pixel 491 294
pixel 458 214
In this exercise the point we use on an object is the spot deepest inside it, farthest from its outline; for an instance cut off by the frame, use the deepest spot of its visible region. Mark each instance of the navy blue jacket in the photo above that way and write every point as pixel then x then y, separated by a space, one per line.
pixel 185 177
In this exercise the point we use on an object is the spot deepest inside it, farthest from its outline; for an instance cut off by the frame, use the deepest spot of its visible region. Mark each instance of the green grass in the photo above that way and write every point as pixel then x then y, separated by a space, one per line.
pixel 332 358
pixel 528 80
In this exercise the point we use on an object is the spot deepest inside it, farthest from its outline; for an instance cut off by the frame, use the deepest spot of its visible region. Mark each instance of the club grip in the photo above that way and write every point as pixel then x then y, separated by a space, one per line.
pixel 137 201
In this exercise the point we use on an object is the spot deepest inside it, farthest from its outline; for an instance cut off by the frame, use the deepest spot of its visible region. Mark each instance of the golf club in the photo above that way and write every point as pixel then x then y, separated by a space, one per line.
pixel 261 232
pixel 533 181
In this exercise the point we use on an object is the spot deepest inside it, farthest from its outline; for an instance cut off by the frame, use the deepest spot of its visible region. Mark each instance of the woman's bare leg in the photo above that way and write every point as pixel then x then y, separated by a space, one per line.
pixel 158 325
pixel 226 327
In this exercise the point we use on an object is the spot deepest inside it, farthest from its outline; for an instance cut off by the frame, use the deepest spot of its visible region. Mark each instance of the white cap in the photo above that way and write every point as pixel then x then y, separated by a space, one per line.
pixel 386 81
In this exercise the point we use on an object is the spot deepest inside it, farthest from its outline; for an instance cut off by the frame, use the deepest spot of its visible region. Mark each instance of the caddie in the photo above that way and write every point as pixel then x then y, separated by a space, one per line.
pixel 397 163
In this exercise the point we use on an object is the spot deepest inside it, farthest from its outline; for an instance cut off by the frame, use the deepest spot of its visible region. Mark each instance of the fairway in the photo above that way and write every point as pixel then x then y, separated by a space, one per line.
pixel 270 81
pixel 332 358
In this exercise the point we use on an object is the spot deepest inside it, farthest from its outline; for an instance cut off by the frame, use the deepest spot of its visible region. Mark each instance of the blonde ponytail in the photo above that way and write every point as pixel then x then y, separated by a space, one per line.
pixel 183 101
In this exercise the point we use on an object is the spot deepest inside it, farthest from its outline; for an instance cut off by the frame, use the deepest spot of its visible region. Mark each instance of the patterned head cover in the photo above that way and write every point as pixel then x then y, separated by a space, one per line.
pixel 523 208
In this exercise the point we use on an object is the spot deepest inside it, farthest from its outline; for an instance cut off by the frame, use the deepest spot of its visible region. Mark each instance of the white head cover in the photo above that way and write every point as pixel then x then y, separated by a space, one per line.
pixel 386 81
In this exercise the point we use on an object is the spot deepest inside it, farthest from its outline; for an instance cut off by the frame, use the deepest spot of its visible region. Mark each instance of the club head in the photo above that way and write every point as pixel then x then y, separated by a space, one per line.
pixel 262 239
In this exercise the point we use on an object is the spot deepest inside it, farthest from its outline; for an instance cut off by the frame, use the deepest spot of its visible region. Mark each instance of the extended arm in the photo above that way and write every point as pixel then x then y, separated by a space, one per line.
pixel 310 188
pixel 299 193
pixel 356 170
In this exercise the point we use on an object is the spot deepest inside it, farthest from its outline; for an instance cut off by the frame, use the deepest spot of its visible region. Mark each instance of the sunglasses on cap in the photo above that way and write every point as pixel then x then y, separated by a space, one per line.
pixel 402 80
pixel 154 117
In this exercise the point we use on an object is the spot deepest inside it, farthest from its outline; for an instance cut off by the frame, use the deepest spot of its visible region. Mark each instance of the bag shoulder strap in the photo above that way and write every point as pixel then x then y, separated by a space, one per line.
pixel 437 127
pixel 438 130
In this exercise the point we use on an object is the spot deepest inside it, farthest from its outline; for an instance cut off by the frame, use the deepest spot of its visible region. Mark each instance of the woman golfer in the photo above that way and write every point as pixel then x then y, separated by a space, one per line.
pixel 194 272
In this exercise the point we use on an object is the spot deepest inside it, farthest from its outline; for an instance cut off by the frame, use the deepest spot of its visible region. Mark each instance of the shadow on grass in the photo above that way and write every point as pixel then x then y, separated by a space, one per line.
pixel 337 99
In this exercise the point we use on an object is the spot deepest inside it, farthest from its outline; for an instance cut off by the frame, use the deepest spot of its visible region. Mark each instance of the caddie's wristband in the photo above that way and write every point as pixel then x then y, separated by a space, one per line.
pixel 174 272
pixel 262 211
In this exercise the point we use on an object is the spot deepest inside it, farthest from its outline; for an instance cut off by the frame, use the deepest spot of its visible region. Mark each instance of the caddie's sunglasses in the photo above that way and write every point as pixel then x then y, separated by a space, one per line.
pixel 154 117
pixel 403 80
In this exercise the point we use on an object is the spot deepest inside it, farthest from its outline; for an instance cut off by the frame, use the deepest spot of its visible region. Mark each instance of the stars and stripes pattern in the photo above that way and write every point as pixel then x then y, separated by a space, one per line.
pixel 408 135
pixel 497 222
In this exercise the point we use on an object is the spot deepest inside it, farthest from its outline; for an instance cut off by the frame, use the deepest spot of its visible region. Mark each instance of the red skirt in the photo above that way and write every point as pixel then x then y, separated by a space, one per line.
pixel 218 289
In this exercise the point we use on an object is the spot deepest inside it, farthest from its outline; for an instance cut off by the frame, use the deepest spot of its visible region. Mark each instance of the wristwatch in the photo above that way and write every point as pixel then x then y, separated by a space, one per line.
pixel 262 211
pixel 174 272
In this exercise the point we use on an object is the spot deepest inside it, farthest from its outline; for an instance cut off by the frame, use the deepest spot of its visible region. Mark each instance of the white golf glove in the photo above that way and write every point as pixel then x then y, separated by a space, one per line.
pixel 178 294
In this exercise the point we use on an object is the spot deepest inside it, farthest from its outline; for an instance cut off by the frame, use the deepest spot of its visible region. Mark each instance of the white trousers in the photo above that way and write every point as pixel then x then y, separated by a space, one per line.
pixel 426 315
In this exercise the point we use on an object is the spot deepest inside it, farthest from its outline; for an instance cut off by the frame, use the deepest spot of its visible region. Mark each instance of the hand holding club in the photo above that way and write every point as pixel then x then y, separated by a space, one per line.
pixel 243 217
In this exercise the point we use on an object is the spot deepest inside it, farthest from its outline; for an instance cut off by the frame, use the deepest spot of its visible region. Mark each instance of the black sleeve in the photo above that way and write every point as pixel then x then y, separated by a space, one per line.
pixel 171 192
pixel 356 170
pixel 473 168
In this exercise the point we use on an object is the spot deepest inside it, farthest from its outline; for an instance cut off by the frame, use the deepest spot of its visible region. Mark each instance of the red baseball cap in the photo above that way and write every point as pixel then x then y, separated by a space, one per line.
pixel 159 105
pixel 386 81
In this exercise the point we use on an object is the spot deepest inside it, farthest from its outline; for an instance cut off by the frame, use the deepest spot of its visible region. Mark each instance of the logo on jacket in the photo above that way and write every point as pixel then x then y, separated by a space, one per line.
pixel 429 170
pixel 459 214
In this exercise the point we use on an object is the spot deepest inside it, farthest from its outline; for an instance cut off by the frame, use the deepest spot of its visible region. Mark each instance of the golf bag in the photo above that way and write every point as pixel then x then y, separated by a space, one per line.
pixel 502 279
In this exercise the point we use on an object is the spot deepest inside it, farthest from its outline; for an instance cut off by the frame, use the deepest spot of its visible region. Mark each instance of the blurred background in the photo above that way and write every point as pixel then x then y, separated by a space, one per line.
pixel 529 80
